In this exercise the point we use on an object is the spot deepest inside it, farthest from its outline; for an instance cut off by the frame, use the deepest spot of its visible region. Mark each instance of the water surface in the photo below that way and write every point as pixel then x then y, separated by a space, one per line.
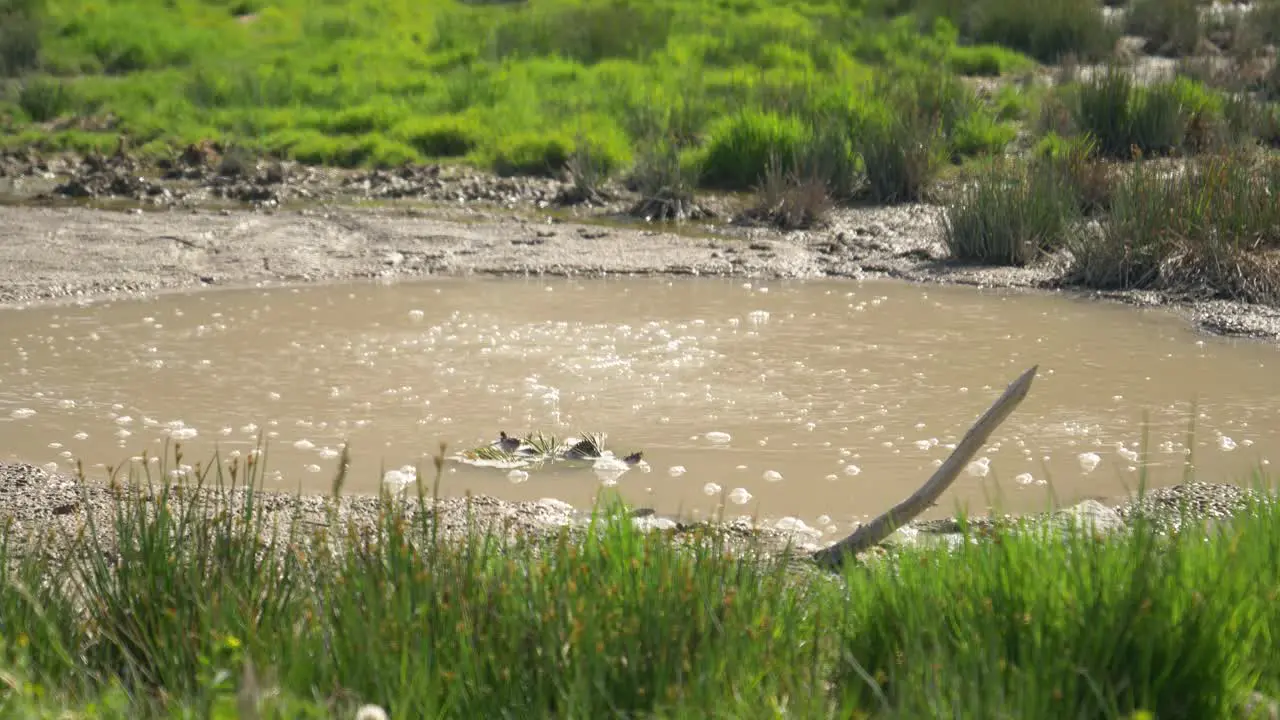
pixel 838 397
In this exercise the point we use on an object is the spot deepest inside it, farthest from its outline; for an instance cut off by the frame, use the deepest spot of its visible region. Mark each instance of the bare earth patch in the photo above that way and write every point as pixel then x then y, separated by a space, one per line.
pixel 76 253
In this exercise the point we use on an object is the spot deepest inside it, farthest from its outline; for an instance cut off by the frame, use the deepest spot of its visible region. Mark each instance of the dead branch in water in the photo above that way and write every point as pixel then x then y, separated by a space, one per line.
pixel 904 512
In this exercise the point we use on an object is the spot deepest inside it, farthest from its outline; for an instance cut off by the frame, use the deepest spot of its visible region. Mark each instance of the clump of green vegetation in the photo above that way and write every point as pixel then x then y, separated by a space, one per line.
pixel 900 154
pixel 740 148
pixel 446 136
pixel 1208 230
pixel 1171 27
pixel 44 98
pixel 1009 214
pixel 20 24
pixel 532 154
pixel 507 86
pixel 1089 180
pixel 219 608
pixel 986 60
pixel 1125 118
pixel 1047 30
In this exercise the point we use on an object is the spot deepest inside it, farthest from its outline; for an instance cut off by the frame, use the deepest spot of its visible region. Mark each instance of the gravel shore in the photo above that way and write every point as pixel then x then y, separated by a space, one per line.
pixel 45 507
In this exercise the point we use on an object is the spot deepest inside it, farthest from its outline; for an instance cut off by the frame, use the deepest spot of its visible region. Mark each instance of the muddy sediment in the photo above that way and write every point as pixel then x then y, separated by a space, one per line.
pixel 82 227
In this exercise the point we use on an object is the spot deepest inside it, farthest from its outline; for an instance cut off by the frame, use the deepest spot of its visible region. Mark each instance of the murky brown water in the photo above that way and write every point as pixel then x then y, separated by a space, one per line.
pixel 849 392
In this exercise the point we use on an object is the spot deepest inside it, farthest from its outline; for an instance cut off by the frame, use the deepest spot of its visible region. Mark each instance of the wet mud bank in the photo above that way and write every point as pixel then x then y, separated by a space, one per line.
pixel 69 253
pixel 84 226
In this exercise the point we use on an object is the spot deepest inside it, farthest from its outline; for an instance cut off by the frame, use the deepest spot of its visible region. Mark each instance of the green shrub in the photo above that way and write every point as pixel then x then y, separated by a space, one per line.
pixel 1200 231
pixel 986 60
pixel 829 156
pixel 532 154
pixel 439 137
pixel 740 148
pixel 20 28
pixel 1009 214
pixel 900 152
pixel 1123 117
pixel 1015 103
pixel 980 134
pixel 45 98
pixel 1203 110
pixel 1171 27
pixel 588 32
pixel 1046 30
pixel 365 119
pixel 1089 180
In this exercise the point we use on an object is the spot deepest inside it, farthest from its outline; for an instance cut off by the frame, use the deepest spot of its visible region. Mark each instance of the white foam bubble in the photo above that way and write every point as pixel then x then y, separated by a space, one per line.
pixel 1089 461
pixel 772 476
pixel 304 444
pixel 740 496
pixel 852 470
pixel 711 489
pixel 22 413
pixel 517 476
pixel 717 437
pixel 397 480
pixel 183 433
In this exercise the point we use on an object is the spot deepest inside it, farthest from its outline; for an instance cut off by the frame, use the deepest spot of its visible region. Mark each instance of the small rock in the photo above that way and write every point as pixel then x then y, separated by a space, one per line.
pixel 1093 515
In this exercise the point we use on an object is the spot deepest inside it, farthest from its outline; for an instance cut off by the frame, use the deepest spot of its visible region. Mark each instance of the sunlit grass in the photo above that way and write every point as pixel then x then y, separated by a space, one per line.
pixel 225 608
pixel 514 87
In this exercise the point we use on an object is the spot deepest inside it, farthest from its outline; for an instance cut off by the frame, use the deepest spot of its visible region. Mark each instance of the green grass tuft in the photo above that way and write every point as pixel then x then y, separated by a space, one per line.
pixel 740 148
pixel 230 609
pixel 1125 118
pixel 439 137
pixel 1209 230
pixel 1047 30
pixel 1009 214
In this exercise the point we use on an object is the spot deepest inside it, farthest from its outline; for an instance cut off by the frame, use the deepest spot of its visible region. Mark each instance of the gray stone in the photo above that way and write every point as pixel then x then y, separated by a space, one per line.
pixel 1091 514
pixel 649 523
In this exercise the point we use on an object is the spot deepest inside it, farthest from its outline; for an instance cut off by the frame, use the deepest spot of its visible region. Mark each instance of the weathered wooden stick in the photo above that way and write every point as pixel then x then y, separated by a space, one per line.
pixel 904 512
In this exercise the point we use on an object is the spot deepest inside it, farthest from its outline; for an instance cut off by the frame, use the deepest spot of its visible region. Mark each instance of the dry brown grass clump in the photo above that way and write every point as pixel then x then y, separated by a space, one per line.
pixel 790 200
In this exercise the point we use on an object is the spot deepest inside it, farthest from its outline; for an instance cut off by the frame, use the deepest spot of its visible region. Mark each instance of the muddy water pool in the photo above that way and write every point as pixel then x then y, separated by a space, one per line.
pixel 822 400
